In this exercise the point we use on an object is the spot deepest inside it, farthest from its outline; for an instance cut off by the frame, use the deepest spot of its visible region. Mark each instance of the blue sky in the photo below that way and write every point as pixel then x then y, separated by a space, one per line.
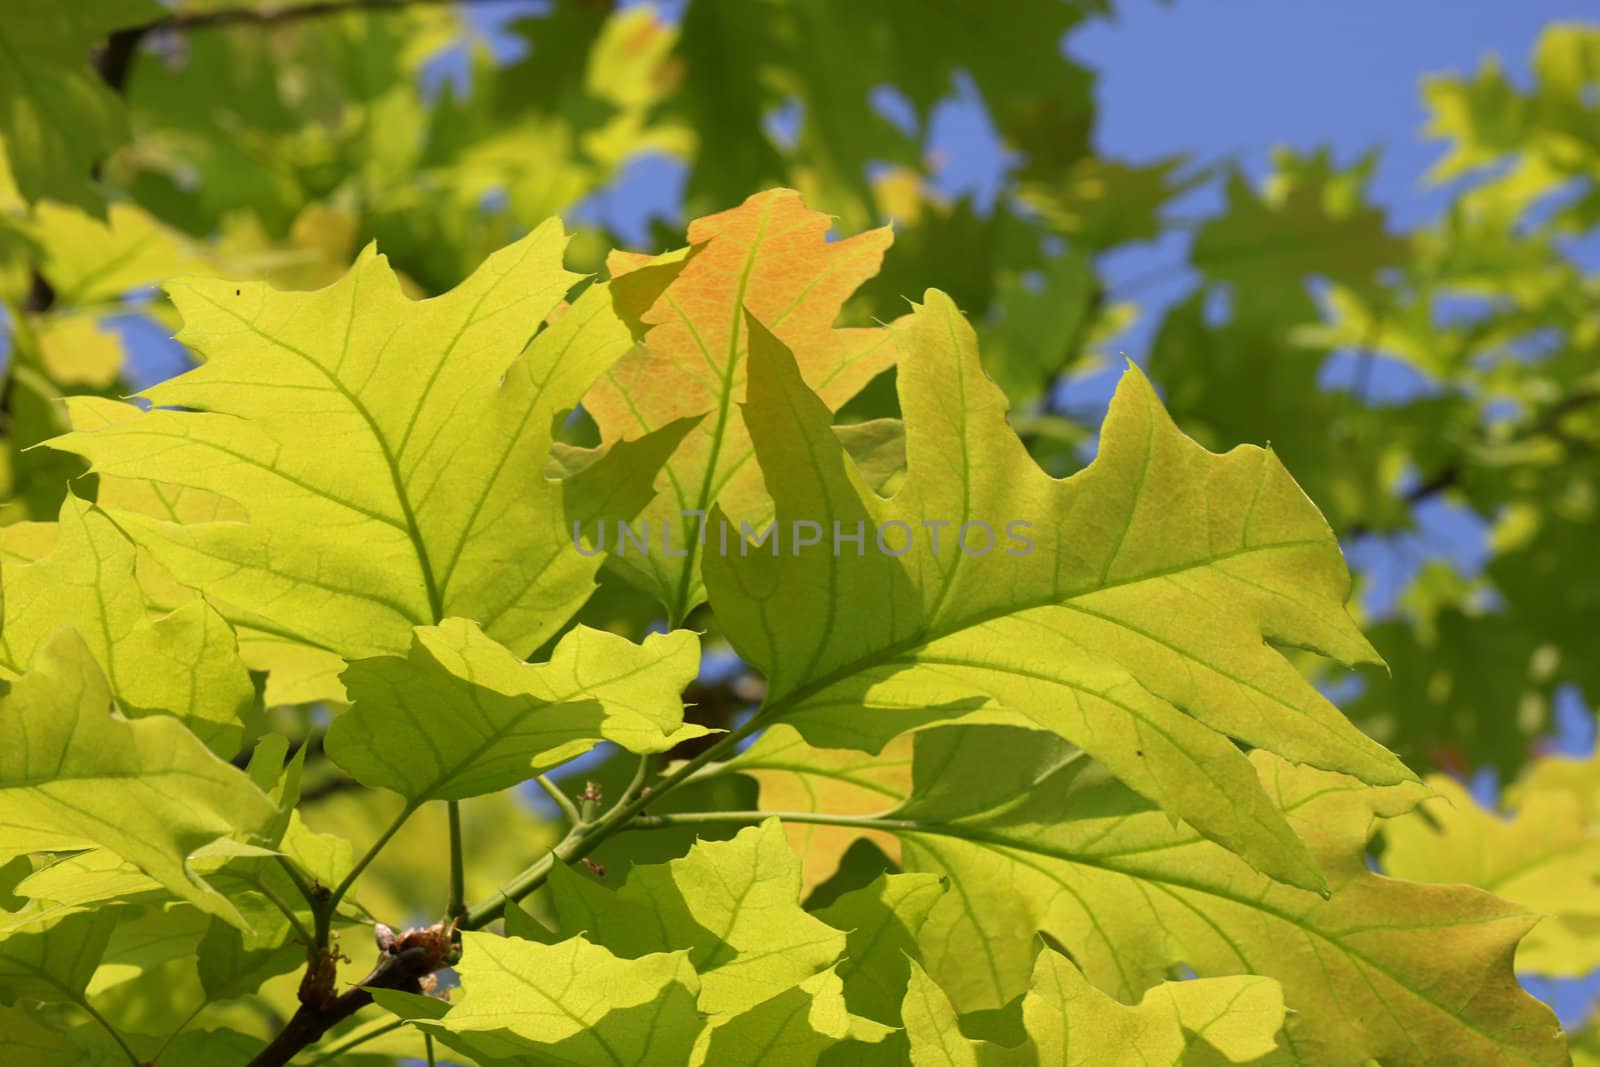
pixel 1233 79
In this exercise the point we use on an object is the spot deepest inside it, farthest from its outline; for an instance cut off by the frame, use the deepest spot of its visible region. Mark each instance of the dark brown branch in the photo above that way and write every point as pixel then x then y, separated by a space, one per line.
pixel 404 964
pixel 40 295
pixel 1449 476
pixel 201 20
pixel 115 58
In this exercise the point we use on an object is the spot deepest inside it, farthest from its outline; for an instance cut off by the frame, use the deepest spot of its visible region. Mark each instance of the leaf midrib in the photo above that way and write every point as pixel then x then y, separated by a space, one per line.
pixel 1005 844
pixel 878 657
pixel 680 602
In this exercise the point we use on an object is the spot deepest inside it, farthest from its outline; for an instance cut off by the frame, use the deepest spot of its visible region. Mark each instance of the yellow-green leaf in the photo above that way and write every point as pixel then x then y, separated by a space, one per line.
pixel 734 905
pixel 1132 615
pixel 1545 856
pixel 571 1003
pixel 461 716
pixel 388 453
pixel 183 663
pixel 60 119
pixel 771 255
pixel 149 791
pixel 1070 1022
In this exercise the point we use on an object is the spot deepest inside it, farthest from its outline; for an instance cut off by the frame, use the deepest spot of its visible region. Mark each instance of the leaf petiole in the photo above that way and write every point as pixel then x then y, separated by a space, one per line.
pixel 562 801
pixel 586 837
pixel 324 906
pixel 356 1039
pixel 155 1057
pixel 456 907
pixel 122 1043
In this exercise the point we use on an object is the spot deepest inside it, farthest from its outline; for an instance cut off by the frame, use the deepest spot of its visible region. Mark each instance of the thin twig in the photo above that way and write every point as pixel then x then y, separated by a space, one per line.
pixel 401 970
pixel 355 1040
pixel 325 907
pixel 288 912
pixel 586 837
pixel 155 1057
pixel 122 1043
pixel 203 20
pixel 456 906
pixel 640 773
pixel 557 794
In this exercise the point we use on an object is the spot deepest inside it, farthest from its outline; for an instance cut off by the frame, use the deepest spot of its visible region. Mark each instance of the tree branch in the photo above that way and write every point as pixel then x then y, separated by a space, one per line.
pixel 586 837
pixel 1449 476
pixel 269 16
pixel 115 58
pixel 554 791
pixel 401 966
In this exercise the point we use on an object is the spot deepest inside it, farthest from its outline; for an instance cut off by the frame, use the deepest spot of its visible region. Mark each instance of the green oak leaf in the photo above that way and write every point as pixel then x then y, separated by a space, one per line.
pixel 1133 617
pixel 1380 969
pixel 733 905
pixel 1311 218
pixel 797 1026
pixel 878 447
pixel 932 1028
pixel 147 790
pixel 49 953
pixel 570 1003
pixel 794 776
pixel 461 716
pixel 184 663
pixel 258 886
pixel 387 453
pixel 1208 1020
pixel 26 1037
pixel 33 481
pixel 772 254
pixel 1545 857
pixel 206 1048
pixel 882 921
pixel 89 261
pixel 60 119
pixel 1069 1022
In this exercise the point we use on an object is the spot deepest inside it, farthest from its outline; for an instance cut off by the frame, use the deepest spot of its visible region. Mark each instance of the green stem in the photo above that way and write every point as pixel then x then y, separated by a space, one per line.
pixel 564 802
pixel 427 1045
pixel 640 773
pixel 355 1040
pixel 261 887
pixel 486 912
pixel 155 1057
pixel 820 818
pixel 886 823
pixel 456 907
pixel 299 880
pixel 133 1057
pixel 324 907
pixel 586 837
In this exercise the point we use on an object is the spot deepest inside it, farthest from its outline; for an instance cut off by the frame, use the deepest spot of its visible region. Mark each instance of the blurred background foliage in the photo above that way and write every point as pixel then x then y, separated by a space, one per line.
pixel 144 141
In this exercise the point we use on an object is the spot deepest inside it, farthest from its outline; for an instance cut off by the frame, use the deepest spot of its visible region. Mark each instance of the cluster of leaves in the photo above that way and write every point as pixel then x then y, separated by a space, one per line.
pixel 286 637
pixel 354 496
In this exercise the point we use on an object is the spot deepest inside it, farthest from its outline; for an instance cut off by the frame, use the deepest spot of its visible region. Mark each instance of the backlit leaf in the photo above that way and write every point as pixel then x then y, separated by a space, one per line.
pixel 771 255
pixel 387 452
pixel 461 716
pixel 1132 615
pixel 147 790
pixel 184 663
